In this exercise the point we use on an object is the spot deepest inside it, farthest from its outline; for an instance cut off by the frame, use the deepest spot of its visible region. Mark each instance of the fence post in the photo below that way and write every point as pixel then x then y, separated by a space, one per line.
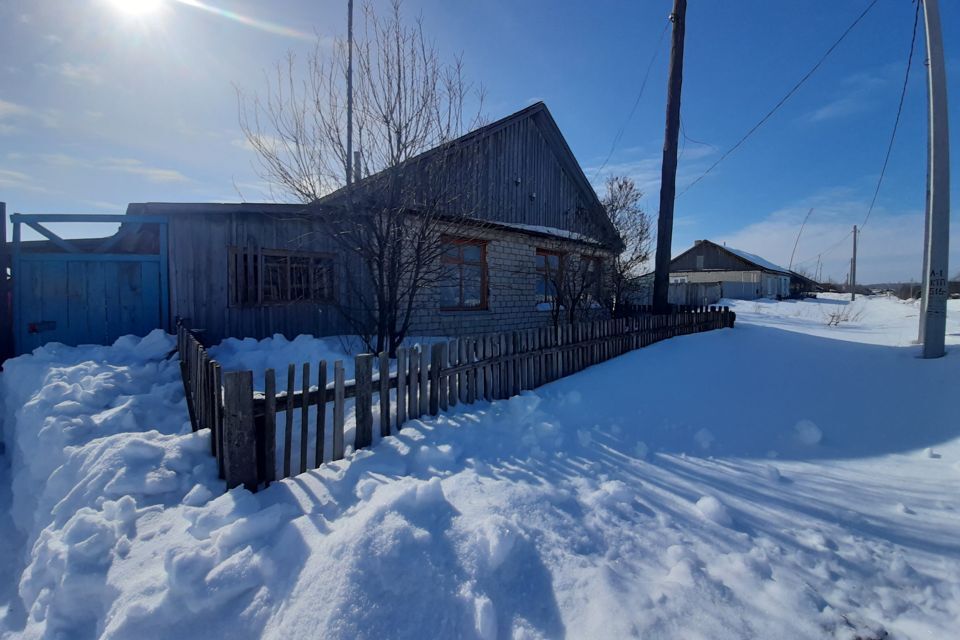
pixel 436 355
pixel 240 442
pixel 444 401
pixel 363 397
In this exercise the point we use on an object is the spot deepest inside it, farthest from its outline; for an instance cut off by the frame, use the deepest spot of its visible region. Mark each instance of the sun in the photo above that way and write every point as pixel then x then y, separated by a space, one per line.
pixel 136 7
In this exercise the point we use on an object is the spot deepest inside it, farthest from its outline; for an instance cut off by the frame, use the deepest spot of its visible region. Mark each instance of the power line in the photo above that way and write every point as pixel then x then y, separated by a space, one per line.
pixel 783 100
pixel 636 102
pixel 893 135
pixel 896 122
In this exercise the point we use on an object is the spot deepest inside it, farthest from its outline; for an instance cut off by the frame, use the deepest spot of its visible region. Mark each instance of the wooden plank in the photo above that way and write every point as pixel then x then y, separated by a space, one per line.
pixel 320 442
pixel 338 407
pixel 488 368
pixel 471 373
pixel 444 379
pixel 462 377
pixel 363 401
pixel 413 383
pixel 384 370
pixel 436 360
pixel 218 424
pixel 270 426
pixel 401 387
pixel 424 381
pixel 240 436
pixel 453 386
pixel 305 418
pixel 288 425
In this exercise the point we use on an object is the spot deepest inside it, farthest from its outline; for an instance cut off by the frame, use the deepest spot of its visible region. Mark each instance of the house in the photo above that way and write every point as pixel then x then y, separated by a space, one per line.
pixel 739 274
pixel 252 270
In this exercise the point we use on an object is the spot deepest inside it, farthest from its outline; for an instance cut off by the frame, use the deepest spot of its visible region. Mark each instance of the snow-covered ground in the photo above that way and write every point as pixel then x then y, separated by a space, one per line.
pixel 783 479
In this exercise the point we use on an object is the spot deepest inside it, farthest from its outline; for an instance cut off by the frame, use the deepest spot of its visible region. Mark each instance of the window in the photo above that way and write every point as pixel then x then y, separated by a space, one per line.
pixel 548 266
pixel 271 277
pixel 464 282
pixel 593 277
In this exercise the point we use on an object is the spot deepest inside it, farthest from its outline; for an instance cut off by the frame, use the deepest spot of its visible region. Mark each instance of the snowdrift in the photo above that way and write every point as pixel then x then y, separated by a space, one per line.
pixel 719 485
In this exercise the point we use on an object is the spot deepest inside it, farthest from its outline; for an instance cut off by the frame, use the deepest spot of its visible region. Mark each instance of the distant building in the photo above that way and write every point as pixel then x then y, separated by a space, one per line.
pixel 739 274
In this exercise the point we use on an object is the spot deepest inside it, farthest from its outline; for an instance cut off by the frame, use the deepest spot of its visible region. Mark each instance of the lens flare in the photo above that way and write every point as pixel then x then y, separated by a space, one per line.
pixel 262 25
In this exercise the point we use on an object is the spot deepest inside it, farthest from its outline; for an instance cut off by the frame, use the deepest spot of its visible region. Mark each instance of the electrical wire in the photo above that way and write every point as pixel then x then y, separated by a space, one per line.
pixel 784 99
pixel 893 135
pixel 636 102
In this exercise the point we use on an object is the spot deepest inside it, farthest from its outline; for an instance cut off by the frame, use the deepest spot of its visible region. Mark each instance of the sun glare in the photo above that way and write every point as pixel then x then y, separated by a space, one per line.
pixel 136 7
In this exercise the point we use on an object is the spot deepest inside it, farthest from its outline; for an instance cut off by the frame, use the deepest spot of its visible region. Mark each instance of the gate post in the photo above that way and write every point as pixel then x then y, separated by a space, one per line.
pixel 239 432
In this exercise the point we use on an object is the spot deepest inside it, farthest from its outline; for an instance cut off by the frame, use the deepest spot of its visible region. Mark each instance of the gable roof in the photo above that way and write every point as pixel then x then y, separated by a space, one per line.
pixel 757 260
pixel 548 128
pixel 750 258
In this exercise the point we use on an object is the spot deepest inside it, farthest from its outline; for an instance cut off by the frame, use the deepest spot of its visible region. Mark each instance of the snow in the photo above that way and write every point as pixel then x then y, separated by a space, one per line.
pixel 757 260
pixel 550 231
pixel 782 479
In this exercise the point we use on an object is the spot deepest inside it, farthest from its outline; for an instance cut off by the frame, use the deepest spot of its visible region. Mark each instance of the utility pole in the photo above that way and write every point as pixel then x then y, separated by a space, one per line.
pixel 937 241
pixel 349 162
pixel 853 267
pixel 668 172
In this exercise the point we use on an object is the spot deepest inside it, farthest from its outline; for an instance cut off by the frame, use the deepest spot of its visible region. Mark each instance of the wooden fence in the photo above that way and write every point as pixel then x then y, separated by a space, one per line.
pixel 425 381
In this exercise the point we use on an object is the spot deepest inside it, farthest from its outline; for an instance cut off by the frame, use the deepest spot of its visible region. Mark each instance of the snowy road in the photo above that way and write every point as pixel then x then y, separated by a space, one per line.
pixel 783 479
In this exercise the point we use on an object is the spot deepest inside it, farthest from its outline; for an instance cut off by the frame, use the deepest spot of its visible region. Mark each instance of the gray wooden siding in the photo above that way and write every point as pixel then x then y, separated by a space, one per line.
pixel 714 258
pixel 514 175
pixel 199 262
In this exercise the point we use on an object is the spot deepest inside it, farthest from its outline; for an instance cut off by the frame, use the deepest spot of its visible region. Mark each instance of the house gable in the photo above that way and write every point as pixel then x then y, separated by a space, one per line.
pixel 517 171
pixel 705 255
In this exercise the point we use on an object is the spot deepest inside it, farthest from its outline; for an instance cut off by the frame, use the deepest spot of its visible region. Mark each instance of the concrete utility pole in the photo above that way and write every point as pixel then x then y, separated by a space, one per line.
pixel 668 172
pixel 349 162
pixel 853 267
pixel 937 241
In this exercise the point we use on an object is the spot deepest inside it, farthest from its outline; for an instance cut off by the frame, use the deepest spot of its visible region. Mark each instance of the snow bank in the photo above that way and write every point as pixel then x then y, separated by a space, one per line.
pixel 644 497
pixel 98 440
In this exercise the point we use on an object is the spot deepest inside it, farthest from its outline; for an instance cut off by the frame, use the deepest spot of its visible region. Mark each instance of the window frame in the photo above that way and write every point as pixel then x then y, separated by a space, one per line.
pixel 543 274
pixel 249 290
pixel 460 262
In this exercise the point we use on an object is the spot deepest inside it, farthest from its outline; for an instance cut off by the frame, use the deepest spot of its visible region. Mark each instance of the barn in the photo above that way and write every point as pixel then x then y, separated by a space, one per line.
pixel 256 269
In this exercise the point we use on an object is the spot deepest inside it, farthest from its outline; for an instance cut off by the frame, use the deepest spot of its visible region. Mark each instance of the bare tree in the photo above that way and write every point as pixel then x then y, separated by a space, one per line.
pixel 621 200
pixel 393 217
pixel 578 285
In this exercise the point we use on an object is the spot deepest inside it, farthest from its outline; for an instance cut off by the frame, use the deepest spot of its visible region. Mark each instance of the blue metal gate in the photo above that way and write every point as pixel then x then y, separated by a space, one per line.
pixel 88 291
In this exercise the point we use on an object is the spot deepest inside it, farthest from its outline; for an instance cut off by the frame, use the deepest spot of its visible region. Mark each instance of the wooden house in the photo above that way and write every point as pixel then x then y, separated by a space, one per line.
pixel 252 270
pixel 740 275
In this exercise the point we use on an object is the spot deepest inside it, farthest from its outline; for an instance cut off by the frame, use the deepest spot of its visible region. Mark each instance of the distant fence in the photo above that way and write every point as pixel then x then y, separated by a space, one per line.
pixel 426 380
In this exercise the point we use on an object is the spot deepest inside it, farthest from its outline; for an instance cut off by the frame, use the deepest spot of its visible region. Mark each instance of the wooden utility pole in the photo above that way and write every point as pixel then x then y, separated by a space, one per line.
pixel 668 172
pixel 853 267
pixel 349 159
pixel 937 241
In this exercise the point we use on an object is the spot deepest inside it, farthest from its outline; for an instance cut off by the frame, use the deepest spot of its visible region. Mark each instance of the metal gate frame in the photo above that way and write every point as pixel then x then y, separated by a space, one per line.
pixel 73 253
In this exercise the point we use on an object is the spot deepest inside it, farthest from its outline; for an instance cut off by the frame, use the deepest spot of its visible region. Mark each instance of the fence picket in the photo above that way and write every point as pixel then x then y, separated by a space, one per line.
pixel 321 414
pixel 363 400
pixel 424 381
pixel 401 387
pixel 270 426
pixel 305 418
pixel 436 352
pixel 288 422
pixel 339 401
pixel 384 369
pixel 413 383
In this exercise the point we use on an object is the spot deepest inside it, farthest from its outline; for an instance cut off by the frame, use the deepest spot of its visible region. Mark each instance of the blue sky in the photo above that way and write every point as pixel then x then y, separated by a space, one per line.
pixel 99 108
